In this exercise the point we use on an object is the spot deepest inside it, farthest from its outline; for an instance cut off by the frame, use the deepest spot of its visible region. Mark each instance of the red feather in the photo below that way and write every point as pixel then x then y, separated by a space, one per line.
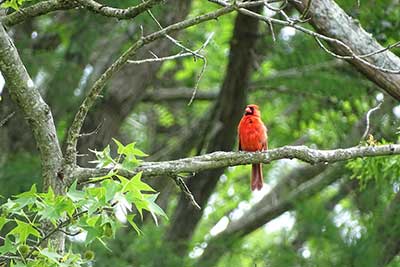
pixel 253 137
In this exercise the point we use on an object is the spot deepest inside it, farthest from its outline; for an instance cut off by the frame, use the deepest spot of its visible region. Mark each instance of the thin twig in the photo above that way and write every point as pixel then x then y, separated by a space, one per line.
pixel 160 59
pixel 95 131
pixel 6 118
pixel 196 54
pixel 367 121
pixel 185 190
pixel 70 233
pixel 176 56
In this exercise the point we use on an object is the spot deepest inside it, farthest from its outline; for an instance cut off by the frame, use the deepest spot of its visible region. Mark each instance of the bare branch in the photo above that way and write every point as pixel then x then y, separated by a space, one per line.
pixel 160 59
pixel 224 159
pixel 3 121
pixel 367 119
pixel 185 190
pixel 194 53
pixel 95 131
pixel 120 13
pixel 48 6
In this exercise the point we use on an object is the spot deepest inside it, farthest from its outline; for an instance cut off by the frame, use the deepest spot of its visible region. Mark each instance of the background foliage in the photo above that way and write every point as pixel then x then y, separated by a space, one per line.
pixel 305 96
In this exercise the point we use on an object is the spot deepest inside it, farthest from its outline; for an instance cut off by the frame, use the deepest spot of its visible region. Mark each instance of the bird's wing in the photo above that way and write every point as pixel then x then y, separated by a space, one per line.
pixel 265 141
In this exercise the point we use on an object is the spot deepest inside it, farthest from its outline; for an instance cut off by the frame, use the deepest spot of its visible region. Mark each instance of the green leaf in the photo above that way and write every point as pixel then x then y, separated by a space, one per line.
pixel 139 153
pixel 25 199
pixel 130 152
pixel 140 204
pixel 97 193
pixel 56 210
pixel 120 146
pixel 23 230
pixel 51 255
pixel 14 4
pixel 92 225
pixel 18 264
pixel 153 207
pixel 103 157
pixel 49 196
pixel 3 221
pixel 135 183
pixel 74 194
pixel 8 246
pixel 133 224
pixel 130 164
pixel 111 187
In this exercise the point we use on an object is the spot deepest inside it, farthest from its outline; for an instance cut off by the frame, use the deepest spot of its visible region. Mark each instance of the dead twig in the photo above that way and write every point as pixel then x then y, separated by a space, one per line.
pixel 367 120
pixel 6 119
pixel 185 190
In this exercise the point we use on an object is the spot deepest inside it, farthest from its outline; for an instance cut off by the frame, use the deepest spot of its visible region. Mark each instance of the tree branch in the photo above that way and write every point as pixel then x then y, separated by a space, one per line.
pixel 120 13
pixel 35 10
pixel 3 121
pixel 329 19
pixel 225 159
pixel 36 112
pixel 48 6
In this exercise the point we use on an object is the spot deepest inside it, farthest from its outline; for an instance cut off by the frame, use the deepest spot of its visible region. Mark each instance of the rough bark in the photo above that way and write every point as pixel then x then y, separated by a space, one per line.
pixel 329 19
pixel 36 112
pixel 38 115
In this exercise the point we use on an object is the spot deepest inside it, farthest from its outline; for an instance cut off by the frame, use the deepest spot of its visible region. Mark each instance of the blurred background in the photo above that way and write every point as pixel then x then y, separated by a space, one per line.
pixel 343 214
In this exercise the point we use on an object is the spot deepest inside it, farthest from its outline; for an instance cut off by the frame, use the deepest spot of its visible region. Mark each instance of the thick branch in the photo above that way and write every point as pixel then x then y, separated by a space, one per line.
pixel 45 7
pixel 329 19
pixel 36 112
pixel 35 10
pixel 225 159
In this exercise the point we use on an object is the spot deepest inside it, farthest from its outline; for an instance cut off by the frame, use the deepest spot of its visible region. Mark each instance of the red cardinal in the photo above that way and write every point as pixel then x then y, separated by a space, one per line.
pixel 253 137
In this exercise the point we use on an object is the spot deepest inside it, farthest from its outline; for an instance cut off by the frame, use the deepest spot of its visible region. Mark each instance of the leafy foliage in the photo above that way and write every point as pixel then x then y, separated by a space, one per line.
pixel 89 212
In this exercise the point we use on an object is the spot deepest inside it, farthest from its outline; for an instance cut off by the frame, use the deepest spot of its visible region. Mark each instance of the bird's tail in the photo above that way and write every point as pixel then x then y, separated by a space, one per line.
pixel 256 177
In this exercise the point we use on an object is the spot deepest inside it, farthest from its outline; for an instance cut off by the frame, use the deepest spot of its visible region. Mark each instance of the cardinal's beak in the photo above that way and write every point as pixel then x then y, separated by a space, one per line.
pixel 248 110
